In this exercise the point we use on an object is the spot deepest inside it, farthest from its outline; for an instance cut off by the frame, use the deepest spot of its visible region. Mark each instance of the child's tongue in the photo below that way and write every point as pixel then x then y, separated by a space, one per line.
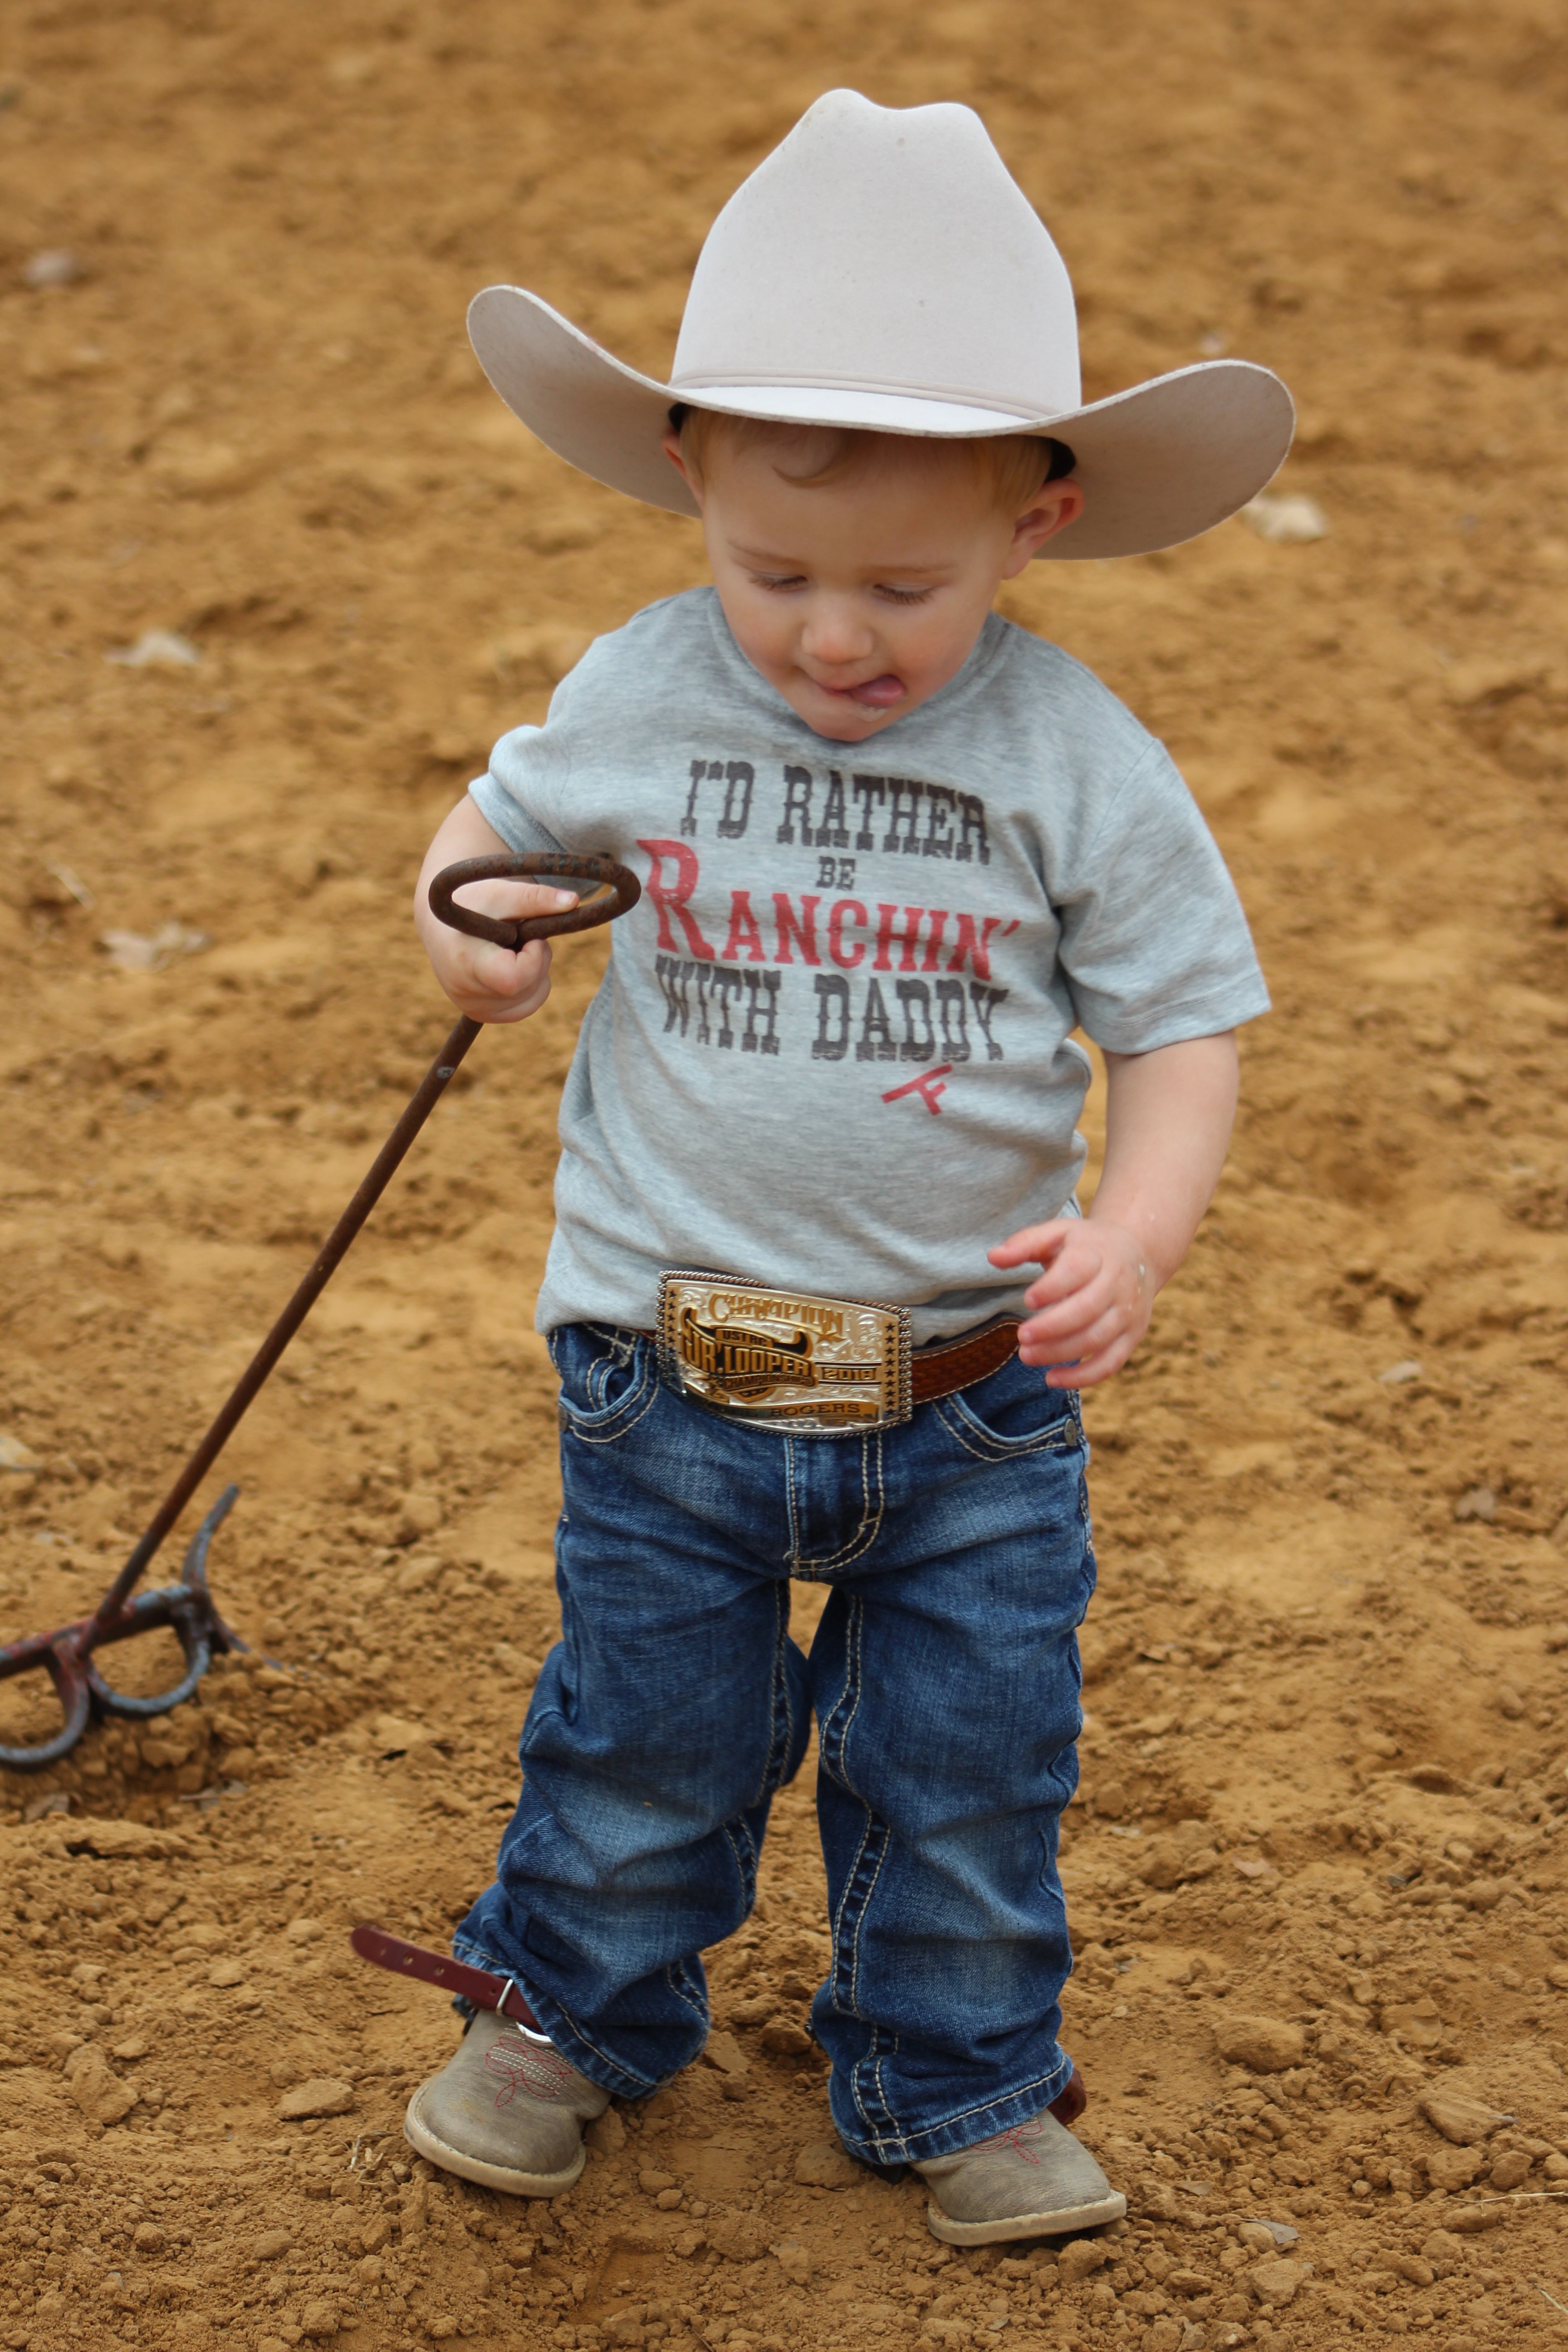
pixel 878 693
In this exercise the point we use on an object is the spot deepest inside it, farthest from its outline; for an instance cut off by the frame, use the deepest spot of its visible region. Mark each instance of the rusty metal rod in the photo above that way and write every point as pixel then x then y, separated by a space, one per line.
pixel 433 1086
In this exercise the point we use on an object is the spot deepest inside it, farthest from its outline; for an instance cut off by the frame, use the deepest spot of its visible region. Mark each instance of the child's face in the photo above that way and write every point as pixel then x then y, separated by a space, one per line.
pixel 859 599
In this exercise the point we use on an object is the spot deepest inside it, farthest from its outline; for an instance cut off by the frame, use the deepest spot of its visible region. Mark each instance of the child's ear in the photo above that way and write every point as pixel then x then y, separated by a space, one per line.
pixel 1051 509
pixel 677 456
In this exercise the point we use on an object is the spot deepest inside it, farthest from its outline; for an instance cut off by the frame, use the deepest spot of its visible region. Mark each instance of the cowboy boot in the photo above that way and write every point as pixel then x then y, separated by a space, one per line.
pixel 1033 2181
pixel 506 2110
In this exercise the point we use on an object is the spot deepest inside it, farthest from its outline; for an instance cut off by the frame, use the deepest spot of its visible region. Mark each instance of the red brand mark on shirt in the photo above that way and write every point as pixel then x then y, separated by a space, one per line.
pixel 927 1086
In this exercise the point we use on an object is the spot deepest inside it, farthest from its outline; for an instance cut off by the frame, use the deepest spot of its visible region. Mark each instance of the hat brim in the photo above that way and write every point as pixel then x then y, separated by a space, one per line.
pixel 1158 463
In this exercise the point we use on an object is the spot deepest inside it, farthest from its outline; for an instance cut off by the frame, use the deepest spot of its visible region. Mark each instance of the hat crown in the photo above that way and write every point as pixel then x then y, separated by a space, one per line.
pixel 889 250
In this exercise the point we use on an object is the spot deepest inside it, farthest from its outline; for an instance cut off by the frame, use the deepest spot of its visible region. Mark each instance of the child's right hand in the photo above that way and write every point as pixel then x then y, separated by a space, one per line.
pixel 487 982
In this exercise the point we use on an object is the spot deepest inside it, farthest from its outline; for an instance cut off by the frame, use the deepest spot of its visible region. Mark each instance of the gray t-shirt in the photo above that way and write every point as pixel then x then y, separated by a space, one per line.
pixel 831 1052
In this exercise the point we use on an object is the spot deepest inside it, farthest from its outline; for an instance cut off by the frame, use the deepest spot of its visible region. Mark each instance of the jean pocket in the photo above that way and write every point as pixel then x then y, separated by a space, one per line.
pixel 1014 1412
pixel 608 1379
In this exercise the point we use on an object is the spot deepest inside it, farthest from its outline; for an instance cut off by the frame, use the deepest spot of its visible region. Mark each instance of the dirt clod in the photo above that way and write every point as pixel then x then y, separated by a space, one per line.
pixel 1081 2258
pixel 722 2051
pixel 1471 2220
pixel 785 2038
pixel 95 2088
pixel 607 2133
pixel 824 2165
pixel 1462 2120
pixel 1277 2283
pixel 321 2096
pixel 1267 2046
pixel 1453 2168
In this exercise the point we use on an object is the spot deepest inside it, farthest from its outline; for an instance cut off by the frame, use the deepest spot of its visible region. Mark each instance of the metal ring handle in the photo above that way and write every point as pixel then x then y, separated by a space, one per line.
pixel 617 892
pixel 186 1609
pixel 60 1661
pixel 194 1637
pixel 67 1656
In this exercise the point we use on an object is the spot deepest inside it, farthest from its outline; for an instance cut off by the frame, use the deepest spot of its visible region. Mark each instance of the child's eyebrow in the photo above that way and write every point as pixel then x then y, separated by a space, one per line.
pixel 766 560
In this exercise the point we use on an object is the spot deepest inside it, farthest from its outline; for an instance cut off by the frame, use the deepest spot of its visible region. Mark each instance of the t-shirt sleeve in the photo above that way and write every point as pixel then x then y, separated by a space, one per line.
pixel 515 786
pixel 1154 946
pixel 525 794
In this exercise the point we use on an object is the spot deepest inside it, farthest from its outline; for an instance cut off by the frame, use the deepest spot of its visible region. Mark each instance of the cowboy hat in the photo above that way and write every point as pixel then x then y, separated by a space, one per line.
pixel 882 269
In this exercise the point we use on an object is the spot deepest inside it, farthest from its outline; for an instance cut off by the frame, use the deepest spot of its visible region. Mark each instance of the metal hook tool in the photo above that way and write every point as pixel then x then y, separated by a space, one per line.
pixel 65 1655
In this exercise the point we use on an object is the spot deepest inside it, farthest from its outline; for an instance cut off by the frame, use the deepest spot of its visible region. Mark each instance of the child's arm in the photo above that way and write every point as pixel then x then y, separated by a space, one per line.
pixel 487 982
pixel 1167 1126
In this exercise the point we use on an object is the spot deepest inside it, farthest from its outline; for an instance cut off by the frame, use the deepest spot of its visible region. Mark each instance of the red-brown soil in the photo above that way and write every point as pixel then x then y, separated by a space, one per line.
pixel 1324 1773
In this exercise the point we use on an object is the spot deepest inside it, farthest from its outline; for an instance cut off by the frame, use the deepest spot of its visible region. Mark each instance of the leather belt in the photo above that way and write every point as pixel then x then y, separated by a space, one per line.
pixel 477 1985
pixel 948 1365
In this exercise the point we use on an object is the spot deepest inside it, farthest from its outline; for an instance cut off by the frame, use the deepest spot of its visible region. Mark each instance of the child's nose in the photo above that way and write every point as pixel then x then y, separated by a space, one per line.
pixel 835 633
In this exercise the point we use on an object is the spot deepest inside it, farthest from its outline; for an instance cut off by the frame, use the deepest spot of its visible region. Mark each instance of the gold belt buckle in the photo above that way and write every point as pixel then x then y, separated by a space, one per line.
pixel 783 1358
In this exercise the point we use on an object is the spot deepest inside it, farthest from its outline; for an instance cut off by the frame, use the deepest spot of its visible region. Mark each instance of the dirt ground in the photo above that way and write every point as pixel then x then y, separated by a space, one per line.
pixel 1317 1880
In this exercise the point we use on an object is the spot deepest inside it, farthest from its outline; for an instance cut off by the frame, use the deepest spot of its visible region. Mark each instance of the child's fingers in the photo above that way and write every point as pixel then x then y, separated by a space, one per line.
pixel 1103 1314
pixel 1036 1244
pixel 1068 1332
pixel 1076 1265
pixel 1089 1353
pixel 516 900
pixel 507 973
pixel 493 984
pixel 1088 1371
pixel 1066 1319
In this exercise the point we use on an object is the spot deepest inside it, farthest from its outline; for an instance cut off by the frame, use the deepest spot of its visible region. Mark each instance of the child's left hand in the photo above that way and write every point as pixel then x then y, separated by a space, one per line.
pixel 1168 1122
pixel 1091 1304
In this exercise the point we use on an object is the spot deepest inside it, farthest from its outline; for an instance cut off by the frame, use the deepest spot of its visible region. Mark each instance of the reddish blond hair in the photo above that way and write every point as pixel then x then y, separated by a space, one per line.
pixel 1010 468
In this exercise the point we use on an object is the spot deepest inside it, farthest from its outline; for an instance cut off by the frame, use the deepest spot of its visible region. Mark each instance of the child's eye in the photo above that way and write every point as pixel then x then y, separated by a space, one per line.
pixel 778 580
pixel 905 596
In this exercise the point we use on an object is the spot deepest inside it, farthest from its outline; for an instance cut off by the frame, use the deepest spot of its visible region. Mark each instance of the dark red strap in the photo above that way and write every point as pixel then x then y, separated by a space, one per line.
pixel 455 1976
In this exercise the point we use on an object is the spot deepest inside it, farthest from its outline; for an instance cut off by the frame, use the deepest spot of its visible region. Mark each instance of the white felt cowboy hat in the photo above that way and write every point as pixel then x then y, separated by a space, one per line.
pixel 881 269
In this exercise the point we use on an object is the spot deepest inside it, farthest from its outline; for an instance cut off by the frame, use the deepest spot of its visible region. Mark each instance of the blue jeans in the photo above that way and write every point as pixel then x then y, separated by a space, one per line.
pixel 944 1678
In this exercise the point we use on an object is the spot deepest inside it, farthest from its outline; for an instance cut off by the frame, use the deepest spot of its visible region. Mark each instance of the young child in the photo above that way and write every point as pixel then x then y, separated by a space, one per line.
pixel 820 1296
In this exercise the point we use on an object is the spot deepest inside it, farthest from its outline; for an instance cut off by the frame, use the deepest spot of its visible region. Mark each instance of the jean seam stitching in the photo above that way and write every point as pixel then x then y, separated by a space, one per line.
pixel 891 2051
pixel 1005 1449
pixel 778 1733
pixel 609 1436
pixel 747 1874
pixel 882 2045
pixel 479 1956
pixel 588 2042
pixel 783 1706
pixel 794 1560
pixel 870 1525
pixel 825 1735
pixel 959 1438
pixel 856 1683
pixel 613 1352
pixel 698 2008
pixel 1022 2091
